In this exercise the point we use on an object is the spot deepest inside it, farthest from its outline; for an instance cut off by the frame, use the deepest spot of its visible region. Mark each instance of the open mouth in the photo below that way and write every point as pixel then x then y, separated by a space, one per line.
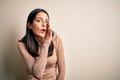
pixel 43 30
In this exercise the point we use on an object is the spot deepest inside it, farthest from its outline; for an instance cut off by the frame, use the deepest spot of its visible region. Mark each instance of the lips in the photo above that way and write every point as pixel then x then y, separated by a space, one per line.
pixel 43 31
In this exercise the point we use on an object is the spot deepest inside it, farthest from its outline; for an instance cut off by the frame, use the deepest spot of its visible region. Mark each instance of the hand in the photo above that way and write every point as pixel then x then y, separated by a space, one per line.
pixel 48 36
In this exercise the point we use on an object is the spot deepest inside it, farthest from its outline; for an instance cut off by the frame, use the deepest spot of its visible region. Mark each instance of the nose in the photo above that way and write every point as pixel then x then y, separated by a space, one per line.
pixel 43 24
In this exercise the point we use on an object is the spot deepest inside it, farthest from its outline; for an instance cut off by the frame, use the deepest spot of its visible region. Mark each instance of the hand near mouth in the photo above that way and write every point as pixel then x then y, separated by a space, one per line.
pixel 48 37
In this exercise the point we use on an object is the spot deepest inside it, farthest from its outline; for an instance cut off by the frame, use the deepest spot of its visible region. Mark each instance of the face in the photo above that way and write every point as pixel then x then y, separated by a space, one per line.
pixel 39 25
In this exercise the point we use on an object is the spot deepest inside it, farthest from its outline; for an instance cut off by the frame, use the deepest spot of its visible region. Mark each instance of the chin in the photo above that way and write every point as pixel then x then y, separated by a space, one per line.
pixel 42 35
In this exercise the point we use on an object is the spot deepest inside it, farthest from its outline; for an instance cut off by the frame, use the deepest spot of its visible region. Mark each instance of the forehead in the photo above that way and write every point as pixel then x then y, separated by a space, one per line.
pixel 42 15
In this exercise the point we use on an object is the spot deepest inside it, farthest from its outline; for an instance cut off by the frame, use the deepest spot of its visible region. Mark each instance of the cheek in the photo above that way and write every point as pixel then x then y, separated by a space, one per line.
pixel 36 29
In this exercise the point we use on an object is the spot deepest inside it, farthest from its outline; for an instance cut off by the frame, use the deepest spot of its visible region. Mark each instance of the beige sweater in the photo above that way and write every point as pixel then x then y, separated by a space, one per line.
pixel 43 67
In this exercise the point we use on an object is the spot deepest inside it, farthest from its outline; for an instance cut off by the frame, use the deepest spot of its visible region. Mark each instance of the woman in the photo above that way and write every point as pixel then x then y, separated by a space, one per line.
pixel 42 49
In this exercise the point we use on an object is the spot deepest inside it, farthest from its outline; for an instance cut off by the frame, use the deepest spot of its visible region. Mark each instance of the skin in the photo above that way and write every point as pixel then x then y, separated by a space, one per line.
pixel 41 21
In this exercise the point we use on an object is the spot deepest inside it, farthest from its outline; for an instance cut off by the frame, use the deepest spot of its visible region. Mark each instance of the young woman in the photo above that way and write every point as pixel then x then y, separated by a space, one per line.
pixel 42 49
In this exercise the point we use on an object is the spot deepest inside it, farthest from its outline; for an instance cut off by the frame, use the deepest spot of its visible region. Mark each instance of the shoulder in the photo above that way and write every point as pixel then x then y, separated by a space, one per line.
pixel 57 38
pixel 22 48
pixel 58 42
pixel 20 44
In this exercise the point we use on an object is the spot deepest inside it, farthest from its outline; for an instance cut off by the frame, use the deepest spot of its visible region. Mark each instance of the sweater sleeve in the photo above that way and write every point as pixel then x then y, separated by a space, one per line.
pixel 29 60
pixel 35 66
pixel 40 63
pixel 61 60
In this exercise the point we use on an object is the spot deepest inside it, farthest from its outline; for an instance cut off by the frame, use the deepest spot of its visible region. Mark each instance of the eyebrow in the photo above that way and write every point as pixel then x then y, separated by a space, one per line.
pixel 41 18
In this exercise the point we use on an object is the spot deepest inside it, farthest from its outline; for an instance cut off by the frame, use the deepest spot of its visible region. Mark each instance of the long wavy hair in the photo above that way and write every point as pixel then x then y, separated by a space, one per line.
pixel 29 39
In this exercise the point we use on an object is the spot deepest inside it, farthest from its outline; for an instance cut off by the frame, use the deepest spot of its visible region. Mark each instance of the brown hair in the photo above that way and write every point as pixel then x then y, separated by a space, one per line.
pixel 29 40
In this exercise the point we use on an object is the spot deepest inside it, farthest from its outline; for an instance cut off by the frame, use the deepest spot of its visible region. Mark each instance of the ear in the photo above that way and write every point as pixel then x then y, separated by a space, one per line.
pixel 29 25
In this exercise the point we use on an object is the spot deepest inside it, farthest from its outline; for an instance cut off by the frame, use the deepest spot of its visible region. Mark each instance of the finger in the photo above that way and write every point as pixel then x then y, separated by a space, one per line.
pixel 50 33
pixel 48 29
pixel 48 26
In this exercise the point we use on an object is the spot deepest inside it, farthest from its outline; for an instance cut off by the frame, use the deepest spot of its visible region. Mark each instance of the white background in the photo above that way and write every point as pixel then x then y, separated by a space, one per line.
pixel 89 29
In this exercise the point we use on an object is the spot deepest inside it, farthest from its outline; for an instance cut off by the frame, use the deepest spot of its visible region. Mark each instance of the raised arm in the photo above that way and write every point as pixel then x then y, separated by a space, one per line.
pixel 61 60
pixel 40 63
pixel 39 66
pixel 35 66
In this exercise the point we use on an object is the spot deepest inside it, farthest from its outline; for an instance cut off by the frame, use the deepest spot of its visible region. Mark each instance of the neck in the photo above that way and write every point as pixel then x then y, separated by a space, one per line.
pixel 40 40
